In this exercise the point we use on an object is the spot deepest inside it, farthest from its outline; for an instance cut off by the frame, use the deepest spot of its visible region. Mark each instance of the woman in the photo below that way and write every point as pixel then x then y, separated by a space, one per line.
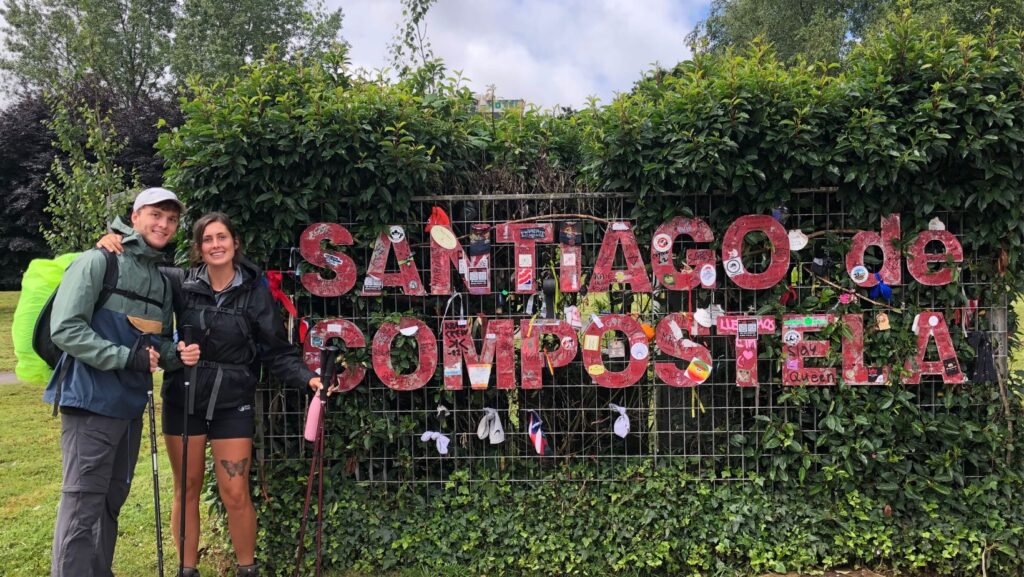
pixel 236 324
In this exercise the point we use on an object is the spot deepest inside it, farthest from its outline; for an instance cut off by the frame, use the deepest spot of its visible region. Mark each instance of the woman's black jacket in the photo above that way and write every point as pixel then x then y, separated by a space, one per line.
pixel 235 335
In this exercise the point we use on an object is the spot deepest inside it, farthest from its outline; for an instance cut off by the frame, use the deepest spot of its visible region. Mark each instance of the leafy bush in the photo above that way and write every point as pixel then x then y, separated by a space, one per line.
pixel 88 189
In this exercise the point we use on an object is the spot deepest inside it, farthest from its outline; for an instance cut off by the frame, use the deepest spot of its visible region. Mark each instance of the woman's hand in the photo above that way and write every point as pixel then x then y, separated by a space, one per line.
pixel 316 384
pixel 112 242
pixel 189 355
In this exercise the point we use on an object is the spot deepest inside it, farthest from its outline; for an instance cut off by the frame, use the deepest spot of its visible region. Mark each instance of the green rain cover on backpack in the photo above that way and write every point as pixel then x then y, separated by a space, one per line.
pixel 40 280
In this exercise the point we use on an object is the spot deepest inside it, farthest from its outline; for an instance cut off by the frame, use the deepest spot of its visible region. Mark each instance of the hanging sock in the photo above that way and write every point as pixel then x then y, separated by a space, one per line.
pixel 881 290
pixel 622 422
pixel 540 443
pixel 440 441
pixel 984 362
pixel 789 297
pixel 490 427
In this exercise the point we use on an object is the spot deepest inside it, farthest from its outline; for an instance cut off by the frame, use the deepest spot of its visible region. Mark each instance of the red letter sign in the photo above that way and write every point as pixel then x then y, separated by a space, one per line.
pixel 340 263
pixel 918 259
pixel 890 271
pixel 698 260
pixel 797 348
pixel 475 269
pixel 746 329
pixel 638 351
pixel 335 329
pixel 426 344
pixel 732 251
pixel 525 236
pixel 635 274
pixel 671 338
pixel 407 277
pixel 933 324
pixel 534 359
pixel 459 345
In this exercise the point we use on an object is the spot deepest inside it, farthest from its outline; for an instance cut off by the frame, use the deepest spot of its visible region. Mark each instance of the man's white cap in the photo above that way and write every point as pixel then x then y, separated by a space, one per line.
pixel 156 196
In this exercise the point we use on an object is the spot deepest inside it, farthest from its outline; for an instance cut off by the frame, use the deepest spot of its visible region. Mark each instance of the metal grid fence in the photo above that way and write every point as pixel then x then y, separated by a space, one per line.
pixel 701 425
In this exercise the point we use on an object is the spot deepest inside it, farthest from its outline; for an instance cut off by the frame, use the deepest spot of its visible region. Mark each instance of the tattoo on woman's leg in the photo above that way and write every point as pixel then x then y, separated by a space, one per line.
pixel 234 467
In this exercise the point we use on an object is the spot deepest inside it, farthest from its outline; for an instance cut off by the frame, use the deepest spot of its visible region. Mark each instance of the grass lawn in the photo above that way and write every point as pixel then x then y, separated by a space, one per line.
pixel 8 301
pixel 30 489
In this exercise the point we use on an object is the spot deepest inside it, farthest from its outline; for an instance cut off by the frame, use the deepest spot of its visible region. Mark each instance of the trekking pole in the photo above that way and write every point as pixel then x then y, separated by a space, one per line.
pixel 156 487
pixel 186 337
pixel 328 358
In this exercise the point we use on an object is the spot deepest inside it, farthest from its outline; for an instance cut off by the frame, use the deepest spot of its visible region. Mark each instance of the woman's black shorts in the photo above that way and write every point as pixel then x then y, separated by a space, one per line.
pixel 228 423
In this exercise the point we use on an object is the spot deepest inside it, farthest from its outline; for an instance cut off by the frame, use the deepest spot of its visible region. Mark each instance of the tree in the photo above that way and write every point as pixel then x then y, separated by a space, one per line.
pixel 143 47
pixel 975 16
pixel 824 31
pixel 122 45
pixel 27 153
pixel 215 38
pixel 410 47
pixel 815 30
pixel 25 156
pixel 88 189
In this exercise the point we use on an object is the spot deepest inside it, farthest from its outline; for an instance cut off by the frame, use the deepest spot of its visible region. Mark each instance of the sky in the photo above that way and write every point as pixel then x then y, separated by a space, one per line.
pixel 547 52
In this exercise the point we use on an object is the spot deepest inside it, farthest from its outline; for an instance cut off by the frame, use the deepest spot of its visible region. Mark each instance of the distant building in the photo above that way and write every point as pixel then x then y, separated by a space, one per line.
pixel 498 106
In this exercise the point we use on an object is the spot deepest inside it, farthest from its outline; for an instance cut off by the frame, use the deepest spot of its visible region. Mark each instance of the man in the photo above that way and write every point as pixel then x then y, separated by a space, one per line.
pixel 113 348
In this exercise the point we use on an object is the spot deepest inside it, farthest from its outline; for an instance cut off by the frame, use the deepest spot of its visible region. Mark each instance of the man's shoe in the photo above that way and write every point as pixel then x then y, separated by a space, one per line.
pixel 248 571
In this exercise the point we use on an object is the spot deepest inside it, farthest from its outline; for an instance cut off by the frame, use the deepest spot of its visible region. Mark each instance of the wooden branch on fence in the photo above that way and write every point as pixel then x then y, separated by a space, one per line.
pixel 851 291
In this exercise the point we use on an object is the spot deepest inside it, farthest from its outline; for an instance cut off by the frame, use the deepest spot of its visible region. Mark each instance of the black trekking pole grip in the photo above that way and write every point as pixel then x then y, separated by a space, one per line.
pixel 187 334
pixel 328 369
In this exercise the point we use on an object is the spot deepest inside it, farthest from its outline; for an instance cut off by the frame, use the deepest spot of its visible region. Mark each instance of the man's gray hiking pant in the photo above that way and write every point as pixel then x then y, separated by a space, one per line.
pixel 99 455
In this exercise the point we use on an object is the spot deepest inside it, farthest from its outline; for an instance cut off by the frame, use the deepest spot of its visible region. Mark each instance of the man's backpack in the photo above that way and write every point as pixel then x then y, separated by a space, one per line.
pixel 42 343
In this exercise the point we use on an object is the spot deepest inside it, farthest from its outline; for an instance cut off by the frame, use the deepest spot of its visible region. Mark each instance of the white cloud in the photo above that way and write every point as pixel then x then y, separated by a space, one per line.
pixel 544 51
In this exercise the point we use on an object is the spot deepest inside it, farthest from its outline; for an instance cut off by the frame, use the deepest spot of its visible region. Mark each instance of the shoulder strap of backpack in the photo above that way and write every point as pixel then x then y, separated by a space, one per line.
pixel 109 278
pixel 110 284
